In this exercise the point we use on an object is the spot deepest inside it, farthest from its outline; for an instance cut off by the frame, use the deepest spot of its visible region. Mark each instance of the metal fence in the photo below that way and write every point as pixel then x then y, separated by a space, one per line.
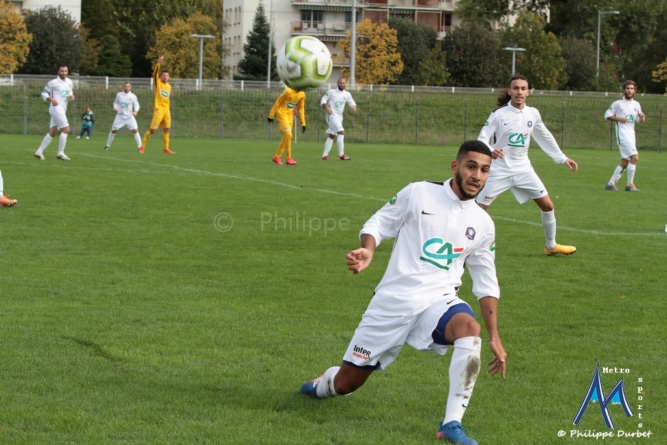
pixel 386 114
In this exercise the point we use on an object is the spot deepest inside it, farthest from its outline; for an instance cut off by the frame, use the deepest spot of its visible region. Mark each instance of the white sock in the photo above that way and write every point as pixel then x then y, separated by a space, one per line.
pixel 463 372
pixel 549 224
pixel 1 185
pixel 631 173
pixel 617 175
pixel 327 146
pixel 325 388
pixel 340 142
pixel 61 143
pixel 110 139
pixel 45 143
pixel 137 139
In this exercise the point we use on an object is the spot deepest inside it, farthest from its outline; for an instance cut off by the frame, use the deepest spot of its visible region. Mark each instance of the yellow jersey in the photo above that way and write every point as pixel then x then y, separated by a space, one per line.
pixel 285 104
pixel 161 91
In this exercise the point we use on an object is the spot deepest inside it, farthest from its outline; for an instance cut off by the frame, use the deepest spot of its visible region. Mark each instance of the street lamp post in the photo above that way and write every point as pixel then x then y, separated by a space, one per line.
pixel 353 43
pixel 514 50
pixel 597 60
pixel 201 38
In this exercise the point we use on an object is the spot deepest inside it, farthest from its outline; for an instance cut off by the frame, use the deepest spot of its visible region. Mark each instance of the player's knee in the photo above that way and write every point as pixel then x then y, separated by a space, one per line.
pixel 65 130
pixel 115 131
pixel 341 133
pixel 166 130
pixel 332 136
pixel 287 135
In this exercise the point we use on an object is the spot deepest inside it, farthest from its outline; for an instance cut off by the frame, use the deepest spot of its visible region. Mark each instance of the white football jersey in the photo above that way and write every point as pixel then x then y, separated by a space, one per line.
pixel 60 90
pixel 436 234
pixel 630 109
pixel 510 129
pixel 126 103
pixel 336 99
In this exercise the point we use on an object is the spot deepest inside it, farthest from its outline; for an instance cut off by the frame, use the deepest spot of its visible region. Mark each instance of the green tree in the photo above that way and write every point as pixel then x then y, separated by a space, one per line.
pixel 542 61
pixel 432 70
pixel 256 51
pixel 660 74
pixel 473 57
pixel 182 51
pixel 91 49
pixel 55 41
pixel 14 39
pixel 110 62
pixel 377 58
pixel 579 55
pixel 415 41
pixel 483 12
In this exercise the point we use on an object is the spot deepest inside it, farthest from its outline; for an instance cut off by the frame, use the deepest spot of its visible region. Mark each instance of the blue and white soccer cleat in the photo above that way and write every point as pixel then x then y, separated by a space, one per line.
pixel 310 388
pixel 453 432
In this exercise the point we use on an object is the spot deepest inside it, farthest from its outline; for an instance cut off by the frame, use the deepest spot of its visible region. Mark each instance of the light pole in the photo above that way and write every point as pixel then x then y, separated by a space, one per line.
pixel 268 65
pixel 514 50
pixel 201 38
pixel 353 43
pixel 597 60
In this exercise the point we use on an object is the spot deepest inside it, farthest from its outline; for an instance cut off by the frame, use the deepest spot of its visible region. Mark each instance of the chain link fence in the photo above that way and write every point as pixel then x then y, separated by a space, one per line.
pixel 386 114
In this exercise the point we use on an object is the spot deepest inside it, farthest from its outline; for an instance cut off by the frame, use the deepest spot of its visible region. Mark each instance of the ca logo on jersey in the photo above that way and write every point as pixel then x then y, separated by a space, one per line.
pixel 339 104
pixel 631 118
pixel 290 105
pixel 124 105
pixel 65 93
pixel 517 140
pixel 164 93
pixel 440 253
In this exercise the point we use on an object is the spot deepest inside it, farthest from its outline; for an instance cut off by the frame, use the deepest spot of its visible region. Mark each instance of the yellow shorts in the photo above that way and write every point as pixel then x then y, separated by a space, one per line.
pixel 161 118
pixel 285 125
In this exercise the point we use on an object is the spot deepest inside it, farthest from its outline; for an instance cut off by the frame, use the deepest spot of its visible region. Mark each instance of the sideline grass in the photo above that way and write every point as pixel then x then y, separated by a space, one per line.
pixel 130 317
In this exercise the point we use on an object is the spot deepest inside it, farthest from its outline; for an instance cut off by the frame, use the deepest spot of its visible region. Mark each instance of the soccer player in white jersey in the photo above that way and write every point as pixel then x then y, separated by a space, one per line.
pixel 58 92
pixel 333 103
pixel 4 199
pixel 442 231
pixel 625 112
pixel 508 132
pixel 126 107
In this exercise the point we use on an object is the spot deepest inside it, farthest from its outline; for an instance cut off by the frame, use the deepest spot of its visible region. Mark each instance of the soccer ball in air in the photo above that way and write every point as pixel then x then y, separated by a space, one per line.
pixel 304 62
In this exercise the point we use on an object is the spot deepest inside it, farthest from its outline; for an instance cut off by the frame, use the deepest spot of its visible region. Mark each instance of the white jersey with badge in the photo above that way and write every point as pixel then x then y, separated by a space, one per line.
pixel 60 90
pixel 336 99
pixel 126 103
pixel 630 109
pixel 436 234
pixel 510 129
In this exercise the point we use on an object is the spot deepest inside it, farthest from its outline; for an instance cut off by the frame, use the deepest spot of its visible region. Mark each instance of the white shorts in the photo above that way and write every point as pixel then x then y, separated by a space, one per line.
pixel 524 186
pixel 379 338
pixel 627 149
pixel 335 124
pixel 123 120
pixel 58 118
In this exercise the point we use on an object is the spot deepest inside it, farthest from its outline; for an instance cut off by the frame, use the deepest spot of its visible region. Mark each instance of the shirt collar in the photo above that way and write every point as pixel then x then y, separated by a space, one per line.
pixel 515 109
pixel 451 195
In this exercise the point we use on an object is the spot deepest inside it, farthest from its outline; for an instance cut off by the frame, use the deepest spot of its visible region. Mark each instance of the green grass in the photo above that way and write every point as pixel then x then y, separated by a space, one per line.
pixel 129 317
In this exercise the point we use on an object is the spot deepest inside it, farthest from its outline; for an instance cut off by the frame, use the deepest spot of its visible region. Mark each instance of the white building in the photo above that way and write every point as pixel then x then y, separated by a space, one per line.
pixel 73 7
pixel 328 20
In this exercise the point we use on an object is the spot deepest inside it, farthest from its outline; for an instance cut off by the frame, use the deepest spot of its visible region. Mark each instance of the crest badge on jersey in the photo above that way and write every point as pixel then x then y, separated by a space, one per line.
pixel 470 233
pixel 530 124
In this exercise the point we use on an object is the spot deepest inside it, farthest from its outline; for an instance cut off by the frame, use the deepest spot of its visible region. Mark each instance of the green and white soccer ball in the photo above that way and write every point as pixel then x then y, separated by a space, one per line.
pixel 304 62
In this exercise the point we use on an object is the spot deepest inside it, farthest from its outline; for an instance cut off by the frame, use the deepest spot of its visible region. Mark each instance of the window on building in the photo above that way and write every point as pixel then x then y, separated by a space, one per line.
pixel 312 18
pixel 348 17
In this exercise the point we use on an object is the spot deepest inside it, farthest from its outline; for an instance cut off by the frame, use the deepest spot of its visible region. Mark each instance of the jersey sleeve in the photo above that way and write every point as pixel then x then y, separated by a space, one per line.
pixel 546 141
pixel 46 92
pixel 302 109
pixel 610 111
pixel 324 99
pixel 135 103
pixel 351 101
pixel 387 221
pixel 488 131
pixel 277 104
pixel 116 102
pixel 482 267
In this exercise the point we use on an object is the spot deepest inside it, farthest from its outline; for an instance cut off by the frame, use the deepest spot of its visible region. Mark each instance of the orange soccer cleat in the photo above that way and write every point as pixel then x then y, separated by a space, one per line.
pixel 168 152
pixel 141 150
pixel 6 202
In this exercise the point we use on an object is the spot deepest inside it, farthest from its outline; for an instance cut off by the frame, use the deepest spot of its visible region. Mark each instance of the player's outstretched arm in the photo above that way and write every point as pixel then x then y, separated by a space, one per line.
pixel 359 259
pixel 572 165
pixel 489 307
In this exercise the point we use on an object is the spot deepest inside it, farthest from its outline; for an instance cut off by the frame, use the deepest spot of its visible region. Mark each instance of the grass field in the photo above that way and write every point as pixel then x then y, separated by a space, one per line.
pixel 160 299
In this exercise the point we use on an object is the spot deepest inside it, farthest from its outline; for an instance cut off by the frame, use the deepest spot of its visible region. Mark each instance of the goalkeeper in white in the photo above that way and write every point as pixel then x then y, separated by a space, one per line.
pixel 126 107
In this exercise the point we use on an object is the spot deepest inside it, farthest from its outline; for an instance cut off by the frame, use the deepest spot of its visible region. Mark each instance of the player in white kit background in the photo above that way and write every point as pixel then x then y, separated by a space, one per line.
pixel 126 107
pixel 442 230
pixel 4 199
pixel 508 132
pixel 333 103
pixel 625 112
pixel 58 92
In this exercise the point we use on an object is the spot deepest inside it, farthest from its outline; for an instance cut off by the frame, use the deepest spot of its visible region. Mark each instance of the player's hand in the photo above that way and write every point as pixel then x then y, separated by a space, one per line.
pixel 498 363
pixel 71 97
pixel 642 117
pixel 572 165
pixel 134 113
pixel 54 102
pixel 160 59
pixel 115 110
pixel 623 120
pixel 497 153
pixel 303 129
pixel 269 119
pixel 359 259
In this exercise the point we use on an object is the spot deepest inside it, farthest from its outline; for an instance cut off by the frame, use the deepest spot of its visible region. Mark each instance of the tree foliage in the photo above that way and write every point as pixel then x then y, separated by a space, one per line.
pixel 542 62
pixel 433 70
pixel 182 51
pixel 473 57
pixel 55 41
pixel 14 39
pixel 255 60
pixel 377 58
pixel 415 41
pixel 91 48
pixel 482 12
pixel 660 75
pixel 579 55
pixel 110 62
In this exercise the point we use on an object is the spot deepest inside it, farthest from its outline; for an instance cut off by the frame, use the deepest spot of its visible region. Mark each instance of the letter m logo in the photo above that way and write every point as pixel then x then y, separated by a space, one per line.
pixel 595 394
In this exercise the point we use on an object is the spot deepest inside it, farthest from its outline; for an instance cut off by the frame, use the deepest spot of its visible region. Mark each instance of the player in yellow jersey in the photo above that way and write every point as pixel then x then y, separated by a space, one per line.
pixel 284 107
pixel 161 113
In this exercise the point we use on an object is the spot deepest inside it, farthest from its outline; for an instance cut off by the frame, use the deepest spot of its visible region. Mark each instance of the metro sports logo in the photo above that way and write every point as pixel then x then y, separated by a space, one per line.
pixel 518 140
pixel 443 256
